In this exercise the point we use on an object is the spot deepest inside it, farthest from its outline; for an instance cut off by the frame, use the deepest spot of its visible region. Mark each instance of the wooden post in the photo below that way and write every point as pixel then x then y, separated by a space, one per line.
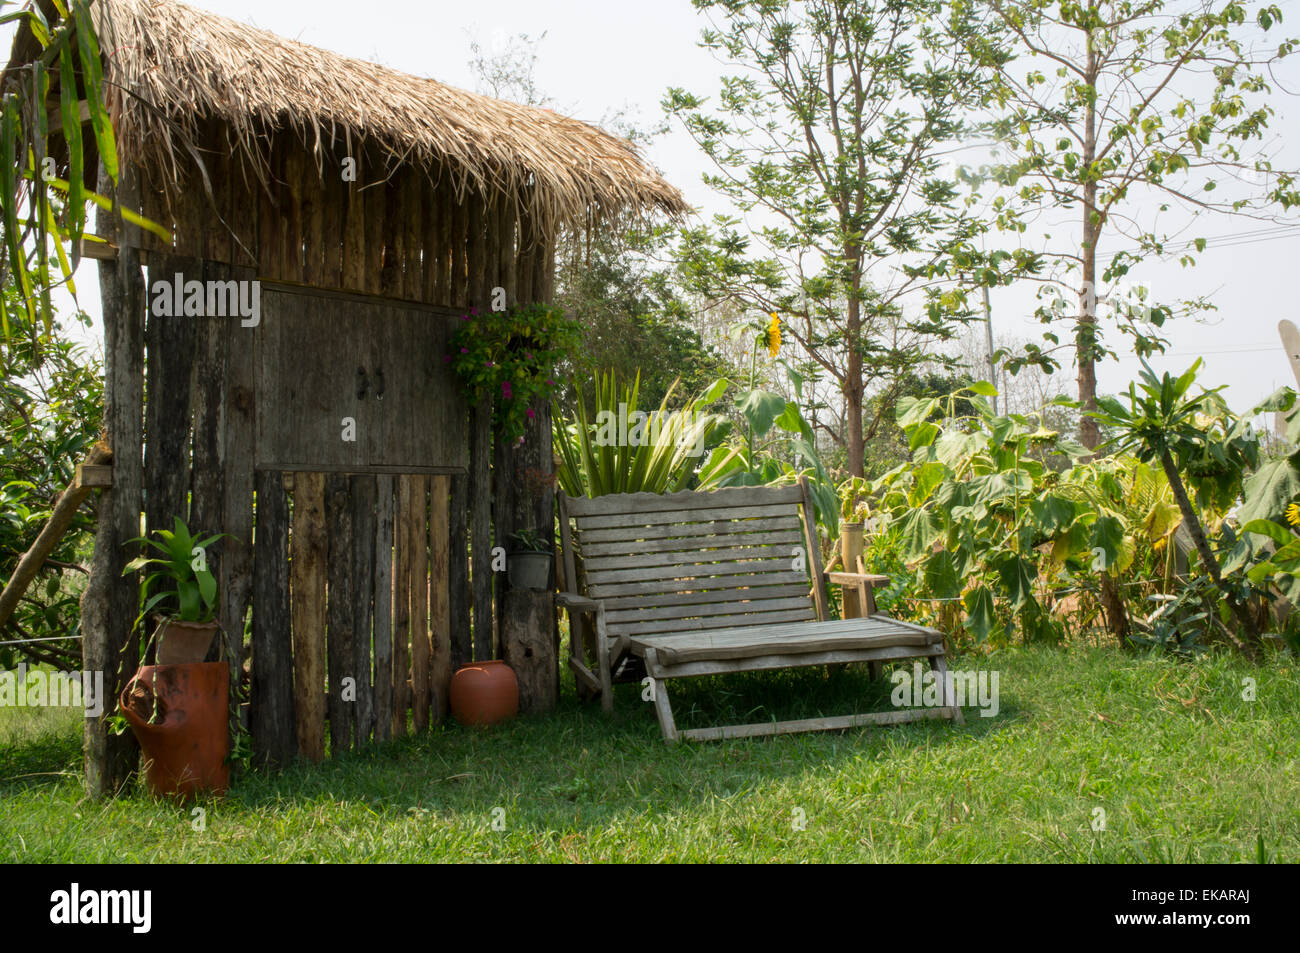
pixel 109 643
pixel 462 640
pixel 364 532
pixel 850 552
pixel 342 598
pixel 527 620
pixel 310 555
pixel 421 649
pixel 383 691
pixel 271 701
pixel 481 529
pixel 402 547
pixel 439 595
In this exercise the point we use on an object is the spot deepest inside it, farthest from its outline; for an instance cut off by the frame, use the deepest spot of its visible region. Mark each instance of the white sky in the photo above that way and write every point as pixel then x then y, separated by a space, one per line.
pixel 603 55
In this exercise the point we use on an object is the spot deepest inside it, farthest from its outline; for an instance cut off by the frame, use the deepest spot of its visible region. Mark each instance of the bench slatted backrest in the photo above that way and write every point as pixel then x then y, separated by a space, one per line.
pixel 680 562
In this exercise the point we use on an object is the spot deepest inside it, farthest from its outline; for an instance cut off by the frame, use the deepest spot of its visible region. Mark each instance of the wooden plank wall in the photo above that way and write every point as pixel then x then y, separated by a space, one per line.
pixel 356 587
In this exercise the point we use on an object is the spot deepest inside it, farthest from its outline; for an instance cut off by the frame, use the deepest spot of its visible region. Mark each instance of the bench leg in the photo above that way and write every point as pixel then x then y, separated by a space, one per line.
pixel 939 665
pixel 659 692
pixel 876 668
pixel 606 680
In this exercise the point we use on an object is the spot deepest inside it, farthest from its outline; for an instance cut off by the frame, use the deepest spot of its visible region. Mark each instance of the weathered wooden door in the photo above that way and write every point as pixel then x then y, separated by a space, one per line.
pixel 352 384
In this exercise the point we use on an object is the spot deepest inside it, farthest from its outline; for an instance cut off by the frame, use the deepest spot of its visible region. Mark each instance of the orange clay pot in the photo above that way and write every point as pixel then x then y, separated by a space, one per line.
pixel 186 740
pixel 484 693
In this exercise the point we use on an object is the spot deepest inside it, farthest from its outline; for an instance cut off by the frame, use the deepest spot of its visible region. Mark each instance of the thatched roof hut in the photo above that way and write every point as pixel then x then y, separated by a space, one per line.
pixel 377 209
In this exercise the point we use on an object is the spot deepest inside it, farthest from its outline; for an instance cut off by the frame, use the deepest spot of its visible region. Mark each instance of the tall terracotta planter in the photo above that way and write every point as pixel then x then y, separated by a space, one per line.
pixel 180 714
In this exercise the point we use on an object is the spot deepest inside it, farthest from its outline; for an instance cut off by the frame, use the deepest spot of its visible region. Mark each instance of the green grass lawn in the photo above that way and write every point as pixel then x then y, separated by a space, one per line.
pixel 1184 768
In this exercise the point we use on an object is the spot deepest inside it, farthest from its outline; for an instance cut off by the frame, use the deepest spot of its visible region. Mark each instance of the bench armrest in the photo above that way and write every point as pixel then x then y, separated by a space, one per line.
pixel 857 578
pixel 571 600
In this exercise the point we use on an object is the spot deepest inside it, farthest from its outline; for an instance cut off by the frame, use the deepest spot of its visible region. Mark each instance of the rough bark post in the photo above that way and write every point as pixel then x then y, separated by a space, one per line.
pixel 310 556
pixel 383 691
pixel 462 644
pixel 439 596
pixel 271 703
pixel 480 482
pixel 342 599
pixel 110 643
pixel 363 580
pixel 527 617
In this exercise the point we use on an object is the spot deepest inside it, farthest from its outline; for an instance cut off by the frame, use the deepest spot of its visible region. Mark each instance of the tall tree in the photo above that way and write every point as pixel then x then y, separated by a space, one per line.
pixel 829 137
pixel 1118 110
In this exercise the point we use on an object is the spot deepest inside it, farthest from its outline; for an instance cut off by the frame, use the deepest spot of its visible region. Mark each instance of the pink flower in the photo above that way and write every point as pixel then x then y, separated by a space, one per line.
pixel 464 350
pixel 505 389
pixel 550 382
pixel 531 415
pixel 488 364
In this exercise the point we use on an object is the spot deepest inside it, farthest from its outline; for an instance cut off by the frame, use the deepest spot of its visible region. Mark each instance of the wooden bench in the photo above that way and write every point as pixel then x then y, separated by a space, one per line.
pixel 693 583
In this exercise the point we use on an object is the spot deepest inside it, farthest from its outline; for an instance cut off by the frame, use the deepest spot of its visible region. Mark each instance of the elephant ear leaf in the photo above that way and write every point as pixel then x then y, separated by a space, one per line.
pixel 980 619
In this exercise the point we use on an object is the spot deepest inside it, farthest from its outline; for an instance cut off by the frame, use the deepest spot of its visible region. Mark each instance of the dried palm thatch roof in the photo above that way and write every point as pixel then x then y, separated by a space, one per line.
pixel 168 66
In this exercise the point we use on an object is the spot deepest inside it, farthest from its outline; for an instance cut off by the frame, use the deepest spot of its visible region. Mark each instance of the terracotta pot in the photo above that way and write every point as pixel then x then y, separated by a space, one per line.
pixel 180 715
pixel 529 570
pixel 484 693
pixel 184 643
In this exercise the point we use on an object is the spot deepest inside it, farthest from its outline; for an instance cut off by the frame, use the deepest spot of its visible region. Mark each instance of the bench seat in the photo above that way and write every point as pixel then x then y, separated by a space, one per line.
pixel 747 642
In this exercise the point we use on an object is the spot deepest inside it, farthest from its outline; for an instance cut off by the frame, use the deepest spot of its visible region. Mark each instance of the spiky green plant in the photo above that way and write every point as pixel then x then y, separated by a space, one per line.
pixel 599 455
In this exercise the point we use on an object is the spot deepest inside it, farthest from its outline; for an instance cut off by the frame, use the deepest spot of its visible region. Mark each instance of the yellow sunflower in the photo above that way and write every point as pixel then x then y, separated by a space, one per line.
pixel 1293 514
pixel 774 336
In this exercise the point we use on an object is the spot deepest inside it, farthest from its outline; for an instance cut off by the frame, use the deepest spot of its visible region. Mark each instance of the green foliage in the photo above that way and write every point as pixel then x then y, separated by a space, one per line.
pixel 192 593
pixel 509 357
pixel 609 445
pixel 51 400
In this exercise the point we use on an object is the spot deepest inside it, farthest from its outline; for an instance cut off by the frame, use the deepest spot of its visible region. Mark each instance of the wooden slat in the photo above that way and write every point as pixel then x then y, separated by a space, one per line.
pixel 237 507
pixel 364 533
pixel 376 215
pixel 169 344
pixel 671 517
pixel 403 556
pixel 480 529
pixel 291 261
pixel 354 228
pixel 639 503
pixel 421 649
pixel 788 537
pixel 342 599
pixel 272 709
pixel 700 610
pixel 429 239
pixel 768 663
pixel 686 561
pixel 659 587
pixel 313 223
pixel 309 566
pixel 334 195
pixel 442 250
pixel 479 286
pixel 270 221
pixel 462 639
pixel 708 597
pixel 772 640
pixel 459 253
pixel 390 277
pixel 701 571
pixel 621 535
pixel 814 551
pixel 674 626
pixel 383 690
pixel 414 184
pixel 762 729
pixel 439 595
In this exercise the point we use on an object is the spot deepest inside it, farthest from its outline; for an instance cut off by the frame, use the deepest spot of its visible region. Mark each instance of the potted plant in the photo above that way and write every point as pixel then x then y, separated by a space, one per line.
pixel 187 598
pixel 508 357
pixel 529 562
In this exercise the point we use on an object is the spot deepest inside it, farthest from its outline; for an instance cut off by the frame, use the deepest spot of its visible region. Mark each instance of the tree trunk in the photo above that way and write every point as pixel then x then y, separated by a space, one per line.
pixel 1116 613
pixel 853 384
pixel 1085 336
pixel 1193 521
